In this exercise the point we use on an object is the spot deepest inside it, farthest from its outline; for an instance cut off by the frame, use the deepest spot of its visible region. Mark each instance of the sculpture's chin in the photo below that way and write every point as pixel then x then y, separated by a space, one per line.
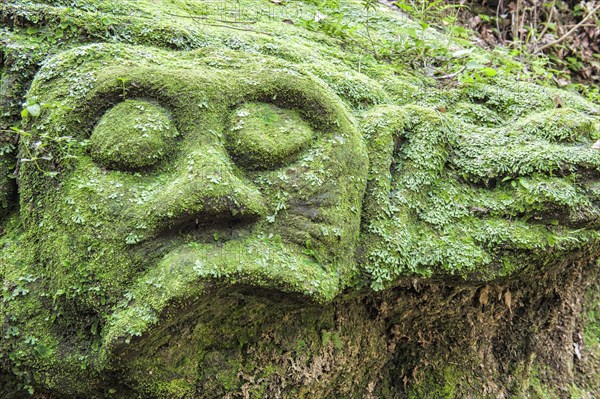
pixel 194 304
pixel 156 300
pixel 166 318
pixel 204 341
pixel 195 345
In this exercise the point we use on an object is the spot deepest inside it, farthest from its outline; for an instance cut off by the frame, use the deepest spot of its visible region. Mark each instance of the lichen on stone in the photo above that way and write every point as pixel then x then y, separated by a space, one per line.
pixel 197 211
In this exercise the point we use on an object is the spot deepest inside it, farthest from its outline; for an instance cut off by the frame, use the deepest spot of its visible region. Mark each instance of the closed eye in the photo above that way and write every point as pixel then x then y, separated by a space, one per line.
pixel 132 135
pixel 262 136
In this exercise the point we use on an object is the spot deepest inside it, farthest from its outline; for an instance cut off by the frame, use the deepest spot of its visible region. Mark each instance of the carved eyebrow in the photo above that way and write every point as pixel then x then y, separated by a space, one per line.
pixel 316 102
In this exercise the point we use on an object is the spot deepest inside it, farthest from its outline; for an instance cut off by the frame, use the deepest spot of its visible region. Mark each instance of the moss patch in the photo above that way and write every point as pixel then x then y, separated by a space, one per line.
pixel 263 135
pixel 278 218
pixel 132 135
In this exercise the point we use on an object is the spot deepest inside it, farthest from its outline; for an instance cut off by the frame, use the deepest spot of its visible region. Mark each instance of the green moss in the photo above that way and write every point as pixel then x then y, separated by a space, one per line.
pixel 537 389
pixel 471 221
pixel 263 136
pixel 562 124
pixel 116 231
pixel 360 91
pixel 437 386
pixel 132 135
pixel 591 334
pixel 173 160
pixel 477 114
pixel 6 188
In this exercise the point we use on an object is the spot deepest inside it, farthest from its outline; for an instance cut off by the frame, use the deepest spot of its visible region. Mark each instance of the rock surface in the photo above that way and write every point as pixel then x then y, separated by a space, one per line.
pixel 233 200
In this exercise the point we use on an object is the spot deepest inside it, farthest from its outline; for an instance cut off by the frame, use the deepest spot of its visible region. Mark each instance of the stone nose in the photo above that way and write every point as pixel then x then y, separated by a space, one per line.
pixel 206 188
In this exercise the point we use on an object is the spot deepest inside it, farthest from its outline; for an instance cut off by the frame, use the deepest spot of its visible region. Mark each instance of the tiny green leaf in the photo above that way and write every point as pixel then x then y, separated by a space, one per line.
pixel 489 71
pixel 34 110
pixel 43 351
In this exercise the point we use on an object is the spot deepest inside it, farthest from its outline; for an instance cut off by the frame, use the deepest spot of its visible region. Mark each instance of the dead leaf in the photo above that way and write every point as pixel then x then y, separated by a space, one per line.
pixel 483 295
pixel 508 299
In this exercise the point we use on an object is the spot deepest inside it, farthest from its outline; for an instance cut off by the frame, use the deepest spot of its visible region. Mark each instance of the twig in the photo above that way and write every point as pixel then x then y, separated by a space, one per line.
pixel 221 25
pixel 563 37
pixel 581 26
pixel 500 4
pixel 242 29
pixel 451 75
pixel 549 19
pixel 534 27
pixel 515 26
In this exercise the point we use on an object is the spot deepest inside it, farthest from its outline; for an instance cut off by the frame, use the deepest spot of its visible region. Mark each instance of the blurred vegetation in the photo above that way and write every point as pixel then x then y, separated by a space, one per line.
pixel 559 40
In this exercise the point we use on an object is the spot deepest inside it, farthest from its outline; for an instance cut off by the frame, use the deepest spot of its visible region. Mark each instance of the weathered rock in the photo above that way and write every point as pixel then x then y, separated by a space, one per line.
pixel 207 209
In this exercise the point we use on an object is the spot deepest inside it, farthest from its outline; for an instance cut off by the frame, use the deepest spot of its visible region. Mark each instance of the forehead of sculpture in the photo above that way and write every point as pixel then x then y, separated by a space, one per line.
pixel 97 75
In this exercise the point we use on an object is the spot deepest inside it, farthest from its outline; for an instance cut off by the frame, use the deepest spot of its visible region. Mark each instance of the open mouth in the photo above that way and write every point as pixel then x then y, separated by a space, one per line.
pixel 206 229
pixel 209 228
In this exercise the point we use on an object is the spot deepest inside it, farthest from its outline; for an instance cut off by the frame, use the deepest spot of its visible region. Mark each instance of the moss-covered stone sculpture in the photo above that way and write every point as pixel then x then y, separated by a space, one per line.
pixel 201 207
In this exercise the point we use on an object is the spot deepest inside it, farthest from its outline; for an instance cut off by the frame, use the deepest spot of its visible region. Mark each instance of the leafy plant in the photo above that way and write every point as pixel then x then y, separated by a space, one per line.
pixel 428 12
pixel 369 6
pixel 330 19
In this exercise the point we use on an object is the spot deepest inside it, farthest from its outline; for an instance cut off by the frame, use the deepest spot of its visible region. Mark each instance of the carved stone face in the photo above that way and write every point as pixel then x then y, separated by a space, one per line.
pixel 186 172
pixel 164 194
pixel 221 171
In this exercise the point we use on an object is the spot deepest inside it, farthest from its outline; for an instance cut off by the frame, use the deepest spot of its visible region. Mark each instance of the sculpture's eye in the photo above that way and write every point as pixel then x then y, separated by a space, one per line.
pixel 132 135
pixel 263 136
